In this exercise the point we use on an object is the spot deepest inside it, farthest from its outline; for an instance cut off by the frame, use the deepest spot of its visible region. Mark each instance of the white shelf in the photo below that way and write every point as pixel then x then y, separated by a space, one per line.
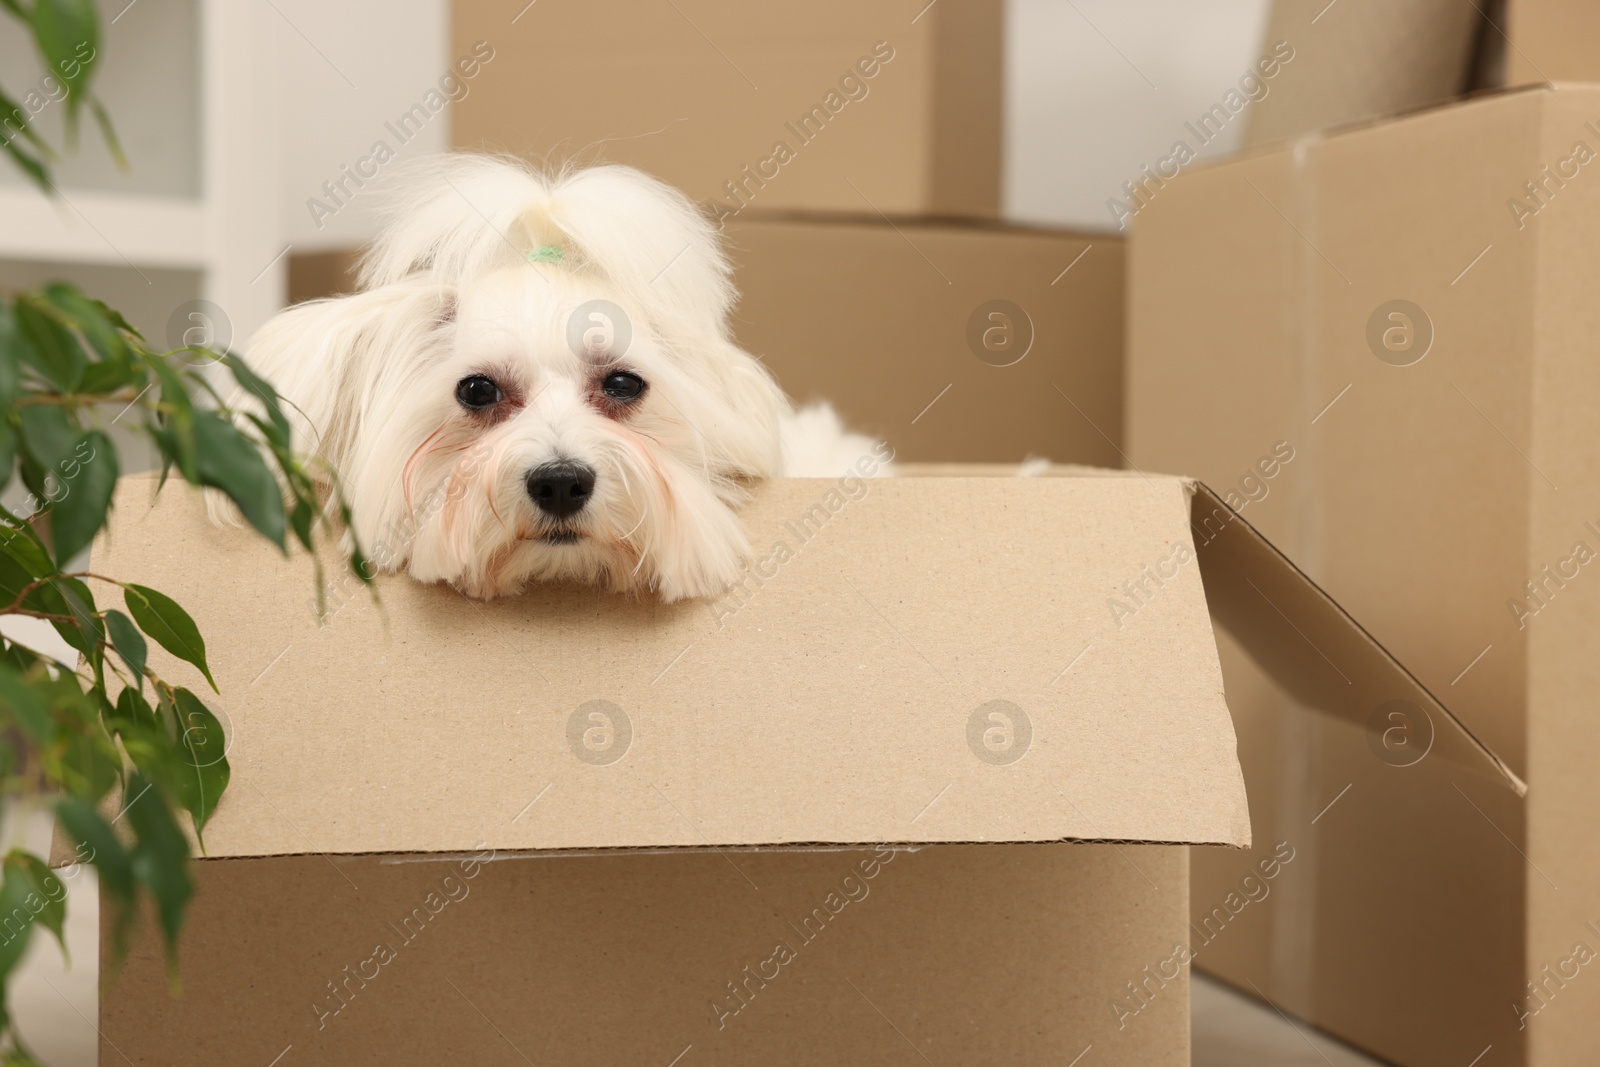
pixel 231 233
pixel 103 228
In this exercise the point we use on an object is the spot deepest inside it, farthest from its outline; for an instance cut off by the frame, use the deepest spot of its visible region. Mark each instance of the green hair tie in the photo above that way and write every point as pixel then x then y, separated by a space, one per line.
pixel 546 254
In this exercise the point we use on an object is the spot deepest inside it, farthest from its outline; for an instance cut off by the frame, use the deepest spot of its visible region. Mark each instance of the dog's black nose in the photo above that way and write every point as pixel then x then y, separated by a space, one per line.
pixel 561 489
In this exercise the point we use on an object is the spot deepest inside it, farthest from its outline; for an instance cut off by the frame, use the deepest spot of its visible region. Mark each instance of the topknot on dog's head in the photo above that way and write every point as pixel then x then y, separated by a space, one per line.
pixel 460 216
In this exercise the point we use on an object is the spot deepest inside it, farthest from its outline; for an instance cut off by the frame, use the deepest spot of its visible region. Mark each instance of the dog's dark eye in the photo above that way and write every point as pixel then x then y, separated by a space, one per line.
pixel 621 385
pixel 478 392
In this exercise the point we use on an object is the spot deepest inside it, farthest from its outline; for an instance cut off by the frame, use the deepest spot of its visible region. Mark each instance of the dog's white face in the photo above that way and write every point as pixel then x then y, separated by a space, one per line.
pixel 493 424
pixel 549 437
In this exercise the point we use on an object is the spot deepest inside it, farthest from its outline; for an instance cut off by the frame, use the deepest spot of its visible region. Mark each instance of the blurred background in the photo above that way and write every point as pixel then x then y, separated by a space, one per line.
pixel 929 205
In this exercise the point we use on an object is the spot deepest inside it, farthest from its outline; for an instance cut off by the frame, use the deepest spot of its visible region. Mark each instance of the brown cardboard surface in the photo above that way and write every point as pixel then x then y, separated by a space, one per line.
pixel 1552 41
pixel 1362 59
pixel 701 93
pixel 1310 646
pixel 961 954
pixel 1563 670
pixel 877 317
pixel 1289 626
pixel 842 696
pixel 313 275
pixel 1423 498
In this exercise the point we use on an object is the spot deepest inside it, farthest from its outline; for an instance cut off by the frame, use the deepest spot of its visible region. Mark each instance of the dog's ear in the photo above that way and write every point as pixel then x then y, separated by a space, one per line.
pixel 333 361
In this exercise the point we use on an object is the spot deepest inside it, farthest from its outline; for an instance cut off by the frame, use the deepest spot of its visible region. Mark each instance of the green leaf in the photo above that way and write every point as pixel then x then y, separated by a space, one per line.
pixel 98 844
pixel 161 857
pixel 12 111
pixel 10 356
pixel 50 889
pixel 129 643
pixel 153 753
pixel 22 544
pixel 134 708
pixel 86 631
pixel 100 326
pixel 264 393
pixel 19 1056
pixel 8 453
pixel 300 520
pixel 174 434
pixel 90 763
pixel 15 574
pixel 67 33
pixel 90 477
pixel 22 702
pixel 47 434
pixel 103 119
pixel 50 346
pixel 106 377
pixel 230 461
pixel 22 561
pixel 32 167
pixel 16 657
pixel 160 616
pixel 16 920
pixel 205 747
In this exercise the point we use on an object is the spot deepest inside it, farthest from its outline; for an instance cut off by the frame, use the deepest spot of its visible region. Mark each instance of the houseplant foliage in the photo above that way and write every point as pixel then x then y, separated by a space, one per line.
pixel 124 756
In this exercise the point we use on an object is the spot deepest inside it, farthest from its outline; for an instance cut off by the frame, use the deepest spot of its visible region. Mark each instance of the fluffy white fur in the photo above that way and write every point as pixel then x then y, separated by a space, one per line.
pixel 448 292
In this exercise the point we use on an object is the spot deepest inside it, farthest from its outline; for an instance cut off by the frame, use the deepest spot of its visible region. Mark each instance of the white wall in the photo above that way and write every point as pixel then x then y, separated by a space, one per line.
pixel 348 67
pixel 1095 89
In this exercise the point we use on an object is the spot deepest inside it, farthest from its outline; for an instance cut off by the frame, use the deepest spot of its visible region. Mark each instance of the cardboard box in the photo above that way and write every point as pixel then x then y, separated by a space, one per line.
pixel 1383 342
pixel 915 784
pixel 314 275
pixel 1552 41
pixel 1362 60
pixel 830 106
pixel 958 342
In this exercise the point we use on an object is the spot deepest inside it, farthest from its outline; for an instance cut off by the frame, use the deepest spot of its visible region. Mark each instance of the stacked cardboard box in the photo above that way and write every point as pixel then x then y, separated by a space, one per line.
pixel 1385 341
pixel 813 106
pixel 1551 41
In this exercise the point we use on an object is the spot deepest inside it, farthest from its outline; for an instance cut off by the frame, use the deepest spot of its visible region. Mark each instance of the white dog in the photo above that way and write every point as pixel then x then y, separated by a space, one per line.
pixel 536 381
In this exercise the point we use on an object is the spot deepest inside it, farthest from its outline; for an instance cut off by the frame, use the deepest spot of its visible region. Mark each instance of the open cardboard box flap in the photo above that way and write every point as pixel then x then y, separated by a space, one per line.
pixel 1312 647
pixel 909 661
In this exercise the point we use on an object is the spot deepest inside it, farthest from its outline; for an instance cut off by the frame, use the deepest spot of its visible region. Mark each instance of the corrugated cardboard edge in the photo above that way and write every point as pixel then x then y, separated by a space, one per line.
pixel 1206 504
pixel 61 853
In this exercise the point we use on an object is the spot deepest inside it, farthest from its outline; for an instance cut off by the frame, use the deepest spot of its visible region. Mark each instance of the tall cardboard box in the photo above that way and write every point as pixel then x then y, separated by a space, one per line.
pixel 954 342
pixel 1551 41
pixel 822 106
pixel 1384 342
pixel 911 791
